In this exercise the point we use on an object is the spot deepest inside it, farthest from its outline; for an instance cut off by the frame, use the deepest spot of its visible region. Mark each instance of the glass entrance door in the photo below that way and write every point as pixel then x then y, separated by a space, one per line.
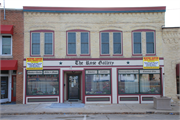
pixel 4 87
pixel 73 84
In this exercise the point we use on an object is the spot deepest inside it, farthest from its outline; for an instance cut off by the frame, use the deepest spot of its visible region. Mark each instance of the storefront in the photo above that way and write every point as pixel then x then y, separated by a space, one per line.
pixel 108 81
pixel 8 80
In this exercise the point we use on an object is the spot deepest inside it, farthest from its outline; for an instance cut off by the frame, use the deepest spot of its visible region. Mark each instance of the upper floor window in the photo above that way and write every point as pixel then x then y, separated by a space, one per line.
pixel 105 43
pixel 48 43
pixel 84 43
pixel 6 45
pixel 111 39
pixel 137 43
pixel 78 43
pixel 35 43
pixel 148 41
pixel 71 43
pixel 117 43
pixel 40 37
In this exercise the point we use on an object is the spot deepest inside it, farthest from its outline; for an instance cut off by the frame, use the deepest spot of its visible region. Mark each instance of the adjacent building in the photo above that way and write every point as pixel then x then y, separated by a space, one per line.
pixel 171 50
pixel 11 55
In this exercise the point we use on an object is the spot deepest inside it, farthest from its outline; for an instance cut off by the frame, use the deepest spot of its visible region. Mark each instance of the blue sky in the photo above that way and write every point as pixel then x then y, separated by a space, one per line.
pixel 172 16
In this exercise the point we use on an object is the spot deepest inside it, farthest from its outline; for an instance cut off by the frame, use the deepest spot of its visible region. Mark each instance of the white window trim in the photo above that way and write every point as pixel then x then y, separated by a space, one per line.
pixel 101 43
pixel 88 43
pixel 133 42
pixel 68 43
pixel 39 45
pixel 121 43
pixel 154 43
pixel 1 44
pixel 52 43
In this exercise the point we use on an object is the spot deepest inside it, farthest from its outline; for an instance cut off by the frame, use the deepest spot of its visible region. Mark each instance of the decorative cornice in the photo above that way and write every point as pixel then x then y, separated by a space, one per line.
pixel 94 10
pixel 171 36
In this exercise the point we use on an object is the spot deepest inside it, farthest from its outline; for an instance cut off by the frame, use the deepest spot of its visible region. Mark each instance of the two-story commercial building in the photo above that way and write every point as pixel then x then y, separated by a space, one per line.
pixel 95 55
pixel 11 55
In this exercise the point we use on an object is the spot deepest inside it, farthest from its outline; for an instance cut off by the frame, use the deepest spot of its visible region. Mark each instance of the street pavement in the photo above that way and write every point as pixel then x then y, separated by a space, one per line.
pixel 79 108
pixel 92 117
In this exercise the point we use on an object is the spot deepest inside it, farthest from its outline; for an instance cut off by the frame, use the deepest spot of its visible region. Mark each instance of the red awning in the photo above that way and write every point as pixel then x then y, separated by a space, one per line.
pixel 9 64
pixel 177 69
pixel 7 29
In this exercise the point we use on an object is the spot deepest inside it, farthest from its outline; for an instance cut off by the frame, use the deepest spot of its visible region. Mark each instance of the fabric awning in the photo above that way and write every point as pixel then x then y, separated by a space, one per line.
pixel 9 64
pixel 177 69
pixel 6 29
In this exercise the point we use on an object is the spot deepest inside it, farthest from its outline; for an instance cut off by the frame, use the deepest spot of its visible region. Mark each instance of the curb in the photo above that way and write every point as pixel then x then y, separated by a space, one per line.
pixel 147 112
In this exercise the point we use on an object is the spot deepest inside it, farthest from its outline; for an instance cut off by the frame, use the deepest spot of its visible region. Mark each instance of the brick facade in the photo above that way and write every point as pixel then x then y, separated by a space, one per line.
pixel 15 18
pixel 93 22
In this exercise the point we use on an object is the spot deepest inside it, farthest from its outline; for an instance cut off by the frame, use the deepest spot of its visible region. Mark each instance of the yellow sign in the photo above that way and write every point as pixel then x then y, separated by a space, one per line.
pixel 150 62
pixel 34 63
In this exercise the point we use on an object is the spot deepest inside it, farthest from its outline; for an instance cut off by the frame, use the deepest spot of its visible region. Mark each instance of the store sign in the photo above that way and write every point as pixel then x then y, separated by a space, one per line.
pixel 51 72
pixel 34 72
pixel 127 71
pixel 100 62
pixel 34 63
pixel 150 62
pixel 91 71
pixel 149 71
pixel 103 71
pixel 45 72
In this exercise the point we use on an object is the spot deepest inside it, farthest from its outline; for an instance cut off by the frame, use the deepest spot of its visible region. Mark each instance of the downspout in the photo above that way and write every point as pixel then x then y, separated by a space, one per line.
pixel 4 11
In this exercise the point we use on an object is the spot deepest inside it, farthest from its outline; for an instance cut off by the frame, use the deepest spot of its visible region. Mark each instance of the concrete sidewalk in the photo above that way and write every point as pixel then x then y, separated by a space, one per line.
pixel 20 109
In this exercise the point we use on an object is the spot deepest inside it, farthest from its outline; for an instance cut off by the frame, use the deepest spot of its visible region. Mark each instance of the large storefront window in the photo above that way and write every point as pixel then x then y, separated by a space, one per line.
pixel 43 82
pixel 150 83
pixel 139 82
pixel 4 87
pixel 128 81
pixel 98 82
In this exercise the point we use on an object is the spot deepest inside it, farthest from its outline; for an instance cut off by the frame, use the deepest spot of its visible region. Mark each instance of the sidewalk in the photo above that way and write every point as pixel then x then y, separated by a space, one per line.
pixel 74 108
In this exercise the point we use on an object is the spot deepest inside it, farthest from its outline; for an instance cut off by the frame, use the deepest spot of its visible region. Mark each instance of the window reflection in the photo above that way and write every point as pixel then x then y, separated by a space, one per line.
pixel 42 85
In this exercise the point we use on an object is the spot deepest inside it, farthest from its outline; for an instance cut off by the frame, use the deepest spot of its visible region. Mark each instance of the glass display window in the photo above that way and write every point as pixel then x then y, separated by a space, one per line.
pixel 139 82
pixel 98 82
pixel 43 84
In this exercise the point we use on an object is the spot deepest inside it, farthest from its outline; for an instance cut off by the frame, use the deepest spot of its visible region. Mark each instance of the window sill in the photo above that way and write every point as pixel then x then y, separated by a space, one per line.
pixel 72 55
pixel 6 56
pixel 35 55
pixel 105 55
pixel 117 54
pixel 150 54
pixel 136 54
pixel 85 55
pixel 48 56
pixel 78 56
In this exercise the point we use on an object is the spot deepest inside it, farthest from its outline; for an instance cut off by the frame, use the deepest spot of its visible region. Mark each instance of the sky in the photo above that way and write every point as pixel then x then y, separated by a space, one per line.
pixel 172 15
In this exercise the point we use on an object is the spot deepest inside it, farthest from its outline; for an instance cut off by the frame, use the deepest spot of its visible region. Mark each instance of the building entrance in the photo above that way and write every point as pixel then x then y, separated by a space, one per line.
pixel 73 87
